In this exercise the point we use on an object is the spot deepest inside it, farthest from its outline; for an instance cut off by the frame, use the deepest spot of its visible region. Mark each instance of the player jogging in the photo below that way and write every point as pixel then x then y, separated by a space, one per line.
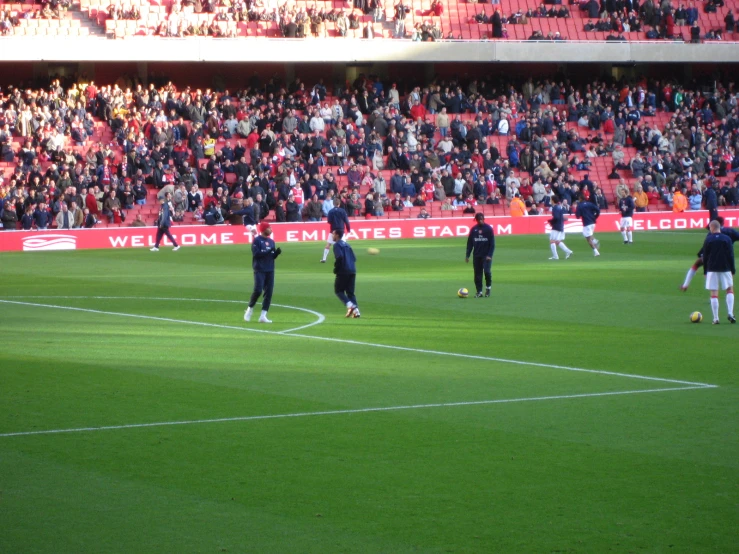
pixel 729 232
pixel 718 266
pixel 337 221
pixel 589 213
pixel 345 269
pixel 250 219
pixel 263 253
pixel 626 207
pixel 557 234
pixel 481 244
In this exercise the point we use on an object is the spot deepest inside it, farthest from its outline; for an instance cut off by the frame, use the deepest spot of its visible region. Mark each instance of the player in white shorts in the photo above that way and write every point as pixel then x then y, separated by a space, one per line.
pixel 589 213
pixel 557 234
pixel 718 264
pixel 626 206
pixel 250 219
pixel 719 280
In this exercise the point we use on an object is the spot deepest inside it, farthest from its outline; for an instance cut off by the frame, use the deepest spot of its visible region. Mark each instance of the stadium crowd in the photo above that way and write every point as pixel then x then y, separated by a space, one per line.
pixel 290 150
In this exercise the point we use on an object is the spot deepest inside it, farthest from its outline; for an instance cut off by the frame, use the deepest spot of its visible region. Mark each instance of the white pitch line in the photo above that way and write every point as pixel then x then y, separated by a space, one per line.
pixel 507 361
pixel 370 344
pixel 320 317
pixel 344 412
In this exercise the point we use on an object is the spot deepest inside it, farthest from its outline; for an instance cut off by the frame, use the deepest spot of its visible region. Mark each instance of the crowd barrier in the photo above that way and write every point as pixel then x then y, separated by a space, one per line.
pixel 370 229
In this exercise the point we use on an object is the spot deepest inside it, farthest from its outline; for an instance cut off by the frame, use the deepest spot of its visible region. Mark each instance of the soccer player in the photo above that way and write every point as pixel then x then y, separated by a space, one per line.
pixel 164 221
pixel 345 269
pixel 250 219
pixel 337 221
pixel 481 244
pixel 710 201
pixel 718 266
pixel 729 232
pixel 626 207
pixel 557 234
pixel 589 213
pixel 263 253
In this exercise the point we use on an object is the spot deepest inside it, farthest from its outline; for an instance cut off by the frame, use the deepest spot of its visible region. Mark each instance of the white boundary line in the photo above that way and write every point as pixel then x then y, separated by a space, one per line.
pixel 687 385
pixel 343 412
pixel 320 317
pixel 357 343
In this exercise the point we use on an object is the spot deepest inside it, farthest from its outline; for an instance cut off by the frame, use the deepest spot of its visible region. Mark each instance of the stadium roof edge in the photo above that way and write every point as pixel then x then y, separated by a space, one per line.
pixel 191 49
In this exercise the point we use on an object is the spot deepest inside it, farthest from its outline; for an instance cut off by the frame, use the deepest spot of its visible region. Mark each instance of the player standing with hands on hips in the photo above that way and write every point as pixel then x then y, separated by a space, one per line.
pixel 718 265
pixel 345 269
pixel 481 244
pixel 263 253
pixel 164 221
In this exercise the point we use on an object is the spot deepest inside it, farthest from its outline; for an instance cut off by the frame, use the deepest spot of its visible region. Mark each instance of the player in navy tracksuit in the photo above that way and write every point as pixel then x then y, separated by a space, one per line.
pixel 250 218
pixel 718 266
pixel 557 234
pixel 710 201
pixel 345 269
pixel 626 206
pixel 263 253
pixel 338 220
pixel 589 213
pixel 481 244
pixel 163 223
pixel 729 232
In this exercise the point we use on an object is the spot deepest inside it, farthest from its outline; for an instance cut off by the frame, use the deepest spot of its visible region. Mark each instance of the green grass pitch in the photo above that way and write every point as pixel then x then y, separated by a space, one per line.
pixel 330 442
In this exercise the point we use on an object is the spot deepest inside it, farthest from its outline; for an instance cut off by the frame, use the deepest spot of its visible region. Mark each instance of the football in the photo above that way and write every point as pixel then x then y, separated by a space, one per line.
pixel 373 251
pixel 463 293
pixel 696 317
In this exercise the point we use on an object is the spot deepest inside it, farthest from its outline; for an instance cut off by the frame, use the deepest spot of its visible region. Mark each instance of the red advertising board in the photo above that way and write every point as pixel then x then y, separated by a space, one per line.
pixel 362 229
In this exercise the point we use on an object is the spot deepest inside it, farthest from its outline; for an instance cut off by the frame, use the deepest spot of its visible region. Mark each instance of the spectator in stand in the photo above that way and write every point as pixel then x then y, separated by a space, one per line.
pixel 695 200
pixel 41 216
pixel 517 206
pixel 112 207
pixel 641 200
pixel 313 209
pixel 679 202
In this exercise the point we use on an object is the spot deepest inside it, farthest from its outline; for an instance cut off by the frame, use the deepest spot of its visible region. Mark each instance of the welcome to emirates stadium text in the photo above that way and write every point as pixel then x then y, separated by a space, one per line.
pixel 362 229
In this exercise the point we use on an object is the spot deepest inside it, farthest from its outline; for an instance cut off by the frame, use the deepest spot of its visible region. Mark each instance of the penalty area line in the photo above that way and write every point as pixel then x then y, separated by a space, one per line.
pixel 344 412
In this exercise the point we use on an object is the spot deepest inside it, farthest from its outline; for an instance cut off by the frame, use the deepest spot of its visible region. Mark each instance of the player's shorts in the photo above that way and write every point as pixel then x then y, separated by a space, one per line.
pixel 330 239
pixel 556 236
pixel 588 230
pixel 252 229
pixel 719 280
pixel 627 222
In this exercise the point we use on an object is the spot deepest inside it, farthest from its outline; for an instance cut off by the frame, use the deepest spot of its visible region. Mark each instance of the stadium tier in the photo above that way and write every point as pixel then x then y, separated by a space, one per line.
pixel 384 154
pixel 425 20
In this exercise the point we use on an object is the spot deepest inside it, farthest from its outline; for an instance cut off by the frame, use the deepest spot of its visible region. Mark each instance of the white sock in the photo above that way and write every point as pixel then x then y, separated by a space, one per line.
pixel 325 253
pixel 714 307
pixel 564 248
pixel 689 277
pixel 595 252
pixel 730 303
pixel 349 305
pixel 623 234
pixel 630 235
pixel 264 313
pixel 553 246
